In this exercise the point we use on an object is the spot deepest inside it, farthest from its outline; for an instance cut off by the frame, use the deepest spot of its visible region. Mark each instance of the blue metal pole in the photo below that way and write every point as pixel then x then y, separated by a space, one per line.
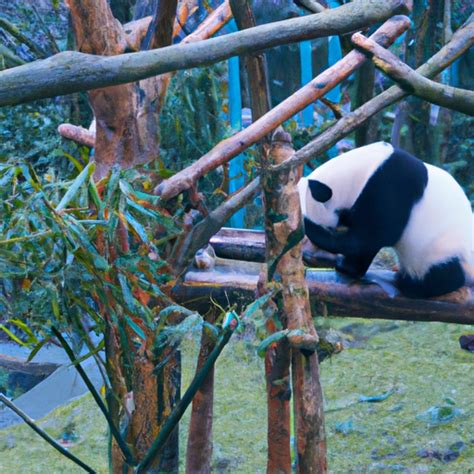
pixel 236 166
pixel 306 62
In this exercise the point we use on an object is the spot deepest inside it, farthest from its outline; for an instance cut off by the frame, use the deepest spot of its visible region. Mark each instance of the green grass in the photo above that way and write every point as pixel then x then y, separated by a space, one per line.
pixel 420 364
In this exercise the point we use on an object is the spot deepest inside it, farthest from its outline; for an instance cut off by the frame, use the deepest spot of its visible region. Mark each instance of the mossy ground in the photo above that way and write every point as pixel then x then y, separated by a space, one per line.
pixel 420 365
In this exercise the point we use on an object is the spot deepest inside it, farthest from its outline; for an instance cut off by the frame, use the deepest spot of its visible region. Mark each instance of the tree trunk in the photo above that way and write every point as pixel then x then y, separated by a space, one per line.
pixel 199 450
pixel 127 134
pixel 424 120
pixel 284 230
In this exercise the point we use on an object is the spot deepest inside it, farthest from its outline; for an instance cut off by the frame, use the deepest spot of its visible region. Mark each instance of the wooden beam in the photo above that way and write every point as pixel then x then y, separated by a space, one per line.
pixel 330 293
pixel 414 83
pixel 69 71
pixel 249 245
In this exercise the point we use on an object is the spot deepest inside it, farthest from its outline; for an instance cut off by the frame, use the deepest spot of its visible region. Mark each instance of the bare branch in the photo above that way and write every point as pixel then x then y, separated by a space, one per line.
pixel 212 24
pixel 202 232
pixel 413 82
pixel 462 40
pixel 323 83
pixel 70 72
pixel 78 134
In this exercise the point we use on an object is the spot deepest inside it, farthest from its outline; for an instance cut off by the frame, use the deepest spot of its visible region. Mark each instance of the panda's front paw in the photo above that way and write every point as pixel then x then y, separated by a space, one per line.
pixel 348 267
pixel 316 233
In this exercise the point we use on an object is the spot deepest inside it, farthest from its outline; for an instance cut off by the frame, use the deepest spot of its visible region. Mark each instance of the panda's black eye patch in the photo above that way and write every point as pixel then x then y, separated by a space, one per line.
pixel 320 191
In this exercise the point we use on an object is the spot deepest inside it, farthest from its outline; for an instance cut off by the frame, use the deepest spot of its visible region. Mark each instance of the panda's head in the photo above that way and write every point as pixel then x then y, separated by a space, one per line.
pixel 318 203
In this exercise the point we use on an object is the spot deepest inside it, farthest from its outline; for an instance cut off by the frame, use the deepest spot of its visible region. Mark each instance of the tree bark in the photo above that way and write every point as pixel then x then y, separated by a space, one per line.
pixel 70 72
pixel 284 232
pixel 365 92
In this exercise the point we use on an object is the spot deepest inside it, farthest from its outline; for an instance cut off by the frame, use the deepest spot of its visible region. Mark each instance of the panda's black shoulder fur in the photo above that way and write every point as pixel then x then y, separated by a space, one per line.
pixel 382 210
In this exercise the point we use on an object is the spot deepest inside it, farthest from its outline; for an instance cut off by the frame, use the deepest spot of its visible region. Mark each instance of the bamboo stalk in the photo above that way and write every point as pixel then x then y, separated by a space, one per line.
pixel 97 398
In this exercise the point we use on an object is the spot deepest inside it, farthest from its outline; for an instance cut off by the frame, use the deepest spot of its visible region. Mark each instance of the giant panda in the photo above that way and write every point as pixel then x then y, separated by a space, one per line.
pixel 380 196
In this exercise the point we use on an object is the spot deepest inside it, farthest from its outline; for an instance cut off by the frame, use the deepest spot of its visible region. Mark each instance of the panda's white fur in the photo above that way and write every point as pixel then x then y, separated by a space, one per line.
pixel 440 226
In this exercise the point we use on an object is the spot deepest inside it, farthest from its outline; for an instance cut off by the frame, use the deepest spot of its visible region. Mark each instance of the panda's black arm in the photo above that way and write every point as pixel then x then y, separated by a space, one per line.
pixel 330 240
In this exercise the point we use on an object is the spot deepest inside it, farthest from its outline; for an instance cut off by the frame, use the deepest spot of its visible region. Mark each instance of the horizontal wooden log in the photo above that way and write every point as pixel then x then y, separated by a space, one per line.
pixel 330 293
pixel 70 71
pixel 249 245
pixel 14 364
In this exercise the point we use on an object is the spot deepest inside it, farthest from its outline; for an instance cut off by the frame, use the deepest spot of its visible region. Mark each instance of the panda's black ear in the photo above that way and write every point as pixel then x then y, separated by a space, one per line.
pixel 320 191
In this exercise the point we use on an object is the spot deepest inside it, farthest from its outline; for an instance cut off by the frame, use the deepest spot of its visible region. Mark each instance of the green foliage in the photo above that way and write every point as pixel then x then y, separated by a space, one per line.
pixel 193 120
pixel 59 259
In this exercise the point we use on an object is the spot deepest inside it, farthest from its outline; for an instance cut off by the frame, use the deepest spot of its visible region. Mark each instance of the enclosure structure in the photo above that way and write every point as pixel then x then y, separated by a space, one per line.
pixel 144 383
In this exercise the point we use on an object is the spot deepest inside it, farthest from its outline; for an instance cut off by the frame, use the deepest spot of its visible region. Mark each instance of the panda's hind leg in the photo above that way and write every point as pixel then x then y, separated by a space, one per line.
pixel 442 278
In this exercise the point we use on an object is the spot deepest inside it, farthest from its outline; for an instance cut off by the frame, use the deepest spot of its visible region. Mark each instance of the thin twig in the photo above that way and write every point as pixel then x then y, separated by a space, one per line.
pixel 310 5
pixel 98 399
pixel 44 435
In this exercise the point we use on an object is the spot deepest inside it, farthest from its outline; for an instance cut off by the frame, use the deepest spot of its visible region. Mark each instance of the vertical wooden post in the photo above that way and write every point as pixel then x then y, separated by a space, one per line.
pixel 199 450
pixel 283 226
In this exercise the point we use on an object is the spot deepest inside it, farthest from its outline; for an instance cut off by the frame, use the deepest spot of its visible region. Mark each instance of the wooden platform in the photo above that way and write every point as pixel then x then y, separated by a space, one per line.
pixel 233 281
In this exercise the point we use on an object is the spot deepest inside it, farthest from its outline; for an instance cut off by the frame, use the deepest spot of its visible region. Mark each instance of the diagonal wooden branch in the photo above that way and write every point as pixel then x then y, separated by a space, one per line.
pixel 212 24
pixel 70 72
pixel 414 83
pixel 461 41
pixel 204 230
pixel 323 83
